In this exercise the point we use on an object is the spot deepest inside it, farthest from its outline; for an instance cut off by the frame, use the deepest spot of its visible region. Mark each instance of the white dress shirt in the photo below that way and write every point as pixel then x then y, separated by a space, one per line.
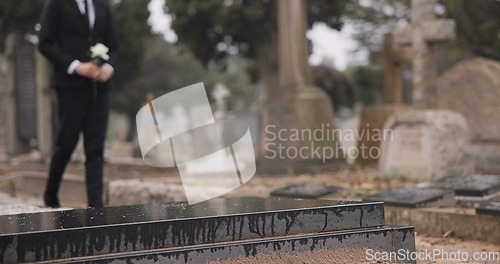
pixel 90 8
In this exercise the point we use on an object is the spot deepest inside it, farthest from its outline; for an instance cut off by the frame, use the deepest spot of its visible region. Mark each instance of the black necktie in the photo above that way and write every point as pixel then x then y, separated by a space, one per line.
pixel 87 19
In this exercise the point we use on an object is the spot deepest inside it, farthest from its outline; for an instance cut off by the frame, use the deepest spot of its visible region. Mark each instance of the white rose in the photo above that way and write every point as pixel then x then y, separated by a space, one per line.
pixel 99 51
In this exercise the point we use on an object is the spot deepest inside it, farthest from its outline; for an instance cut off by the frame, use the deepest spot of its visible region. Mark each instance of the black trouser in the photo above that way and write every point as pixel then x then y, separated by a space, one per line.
pixel 80 110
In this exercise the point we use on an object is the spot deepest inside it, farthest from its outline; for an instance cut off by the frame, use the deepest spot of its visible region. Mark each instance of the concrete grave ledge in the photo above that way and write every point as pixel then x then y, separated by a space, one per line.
pixel 462 223
pixel 72 193
pixel 116 192
pixel 140 191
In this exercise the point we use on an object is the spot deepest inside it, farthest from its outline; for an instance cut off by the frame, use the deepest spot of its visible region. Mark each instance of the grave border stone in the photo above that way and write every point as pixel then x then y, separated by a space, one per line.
pixel 492 208
pixel 301 191
pixel 437 194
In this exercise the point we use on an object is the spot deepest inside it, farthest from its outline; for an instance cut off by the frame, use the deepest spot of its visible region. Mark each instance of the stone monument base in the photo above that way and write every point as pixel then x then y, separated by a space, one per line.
pixel 486 157
pixel 370 131
pixel 299 134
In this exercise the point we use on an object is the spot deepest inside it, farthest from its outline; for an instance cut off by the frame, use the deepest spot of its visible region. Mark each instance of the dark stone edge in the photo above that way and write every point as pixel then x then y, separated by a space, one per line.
pixel 77 237
pixel 397 238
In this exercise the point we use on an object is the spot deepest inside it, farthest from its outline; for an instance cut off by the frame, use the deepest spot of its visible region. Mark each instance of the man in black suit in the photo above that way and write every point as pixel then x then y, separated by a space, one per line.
pixel 68 29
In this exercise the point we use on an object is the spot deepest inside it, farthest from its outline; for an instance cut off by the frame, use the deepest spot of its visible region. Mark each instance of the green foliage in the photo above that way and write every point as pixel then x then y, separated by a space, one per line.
pixel 214 29
pixel 368 83
pixel 375 18
pixel 478 25
pixel 131 29
pixel 336 84
pixel 18 15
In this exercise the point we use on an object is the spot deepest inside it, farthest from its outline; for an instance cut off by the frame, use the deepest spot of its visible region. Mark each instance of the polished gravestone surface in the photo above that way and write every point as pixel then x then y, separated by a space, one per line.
pixel 383 239
pixel 492 208
pixel 412 197
pixel 306 191
pixel 126 231
pixel 472 185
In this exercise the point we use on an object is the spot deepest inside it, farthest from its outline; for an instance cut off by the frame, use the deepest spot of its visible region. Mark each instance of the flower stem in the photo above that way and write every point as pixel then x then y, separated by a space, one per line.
pixel 95 91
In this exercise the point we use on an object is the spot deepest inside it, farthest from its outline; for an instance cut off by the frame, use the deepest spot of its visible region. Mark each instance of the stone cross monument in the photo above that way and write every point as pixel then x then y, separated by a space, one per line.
pixel 294 70
pixel 295 104
pixel 394 57
pixel 424 31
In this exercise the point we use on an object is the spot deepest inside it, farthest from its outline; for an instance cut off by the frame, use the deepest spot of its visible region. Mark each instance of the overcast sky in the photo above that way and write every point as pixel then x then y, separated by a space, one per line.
pixel 328 44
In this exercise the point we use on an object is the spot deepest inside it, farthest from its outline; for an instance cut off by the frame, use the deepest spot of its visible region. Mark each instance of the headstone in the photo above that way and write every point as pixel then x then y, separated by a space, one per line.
pixel 470 185
pixel 28 100
pixel 426 144
pixel 306 191
pixel 220 229
pixel 371 131
pixel 220 95
pixel 3 95
pixel 472 88
pixel 412 197
pixel 24 67
pixel 394 56
pixel 424 31
pixel 492 208
pixel 295 104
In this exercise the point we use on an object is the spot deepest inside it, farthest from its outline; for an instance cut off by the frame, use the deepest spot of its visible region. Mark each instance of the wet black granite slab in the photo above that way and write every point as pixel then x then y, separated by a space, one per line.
pixel 492 208
pixel 412 197
pixel 400 240
pixel 471 185
pixel 306 191
pixel 90 232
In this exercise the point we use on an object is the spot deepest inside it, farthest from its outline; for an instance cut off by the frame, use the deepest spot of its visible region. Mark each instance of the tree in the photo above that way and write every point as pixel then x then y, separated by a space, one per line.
pixel 368 83
pixel 478 25
pixel 372 19
pixel 132 31
pixel 214 29
pixel 336 84
pixel 18 16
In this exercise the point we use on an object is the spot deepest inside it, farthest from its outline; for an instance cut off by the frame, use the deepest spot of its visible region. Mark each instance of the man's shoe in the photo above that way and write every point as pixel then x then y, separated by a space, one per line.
pixel 51 202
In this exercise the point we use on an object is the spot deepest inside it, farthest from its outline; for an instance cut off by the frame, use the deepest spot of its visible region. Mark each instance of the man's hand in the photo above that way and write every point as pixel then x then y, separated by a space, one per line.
pixel 89 70
pixel 105 74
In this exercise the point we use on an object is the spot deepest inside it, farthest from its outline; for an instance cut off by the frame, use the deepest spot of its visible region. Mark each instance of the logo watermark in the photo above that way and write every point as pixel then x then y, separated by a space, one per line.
pixel 179 130
pixel 403 255
pixel 322 143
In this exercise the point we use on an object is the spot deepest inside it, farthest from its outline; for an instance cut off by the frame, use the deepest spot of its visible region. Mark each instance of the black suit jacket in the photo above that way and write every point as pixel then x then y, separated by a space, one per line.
pixel 65 36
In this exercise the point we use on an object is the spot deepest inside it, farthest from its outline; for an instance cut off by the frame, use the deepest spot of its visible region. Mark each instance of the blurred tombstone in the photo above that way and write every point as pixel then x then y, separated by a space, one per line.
pixel 3 95
pixel 373 118
pixel 28 99
pixel 371 131
pixel 424 31
pixel 426 144
pixel 220 95
pixel 122 127
pixel 472 88
pixel 394 57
